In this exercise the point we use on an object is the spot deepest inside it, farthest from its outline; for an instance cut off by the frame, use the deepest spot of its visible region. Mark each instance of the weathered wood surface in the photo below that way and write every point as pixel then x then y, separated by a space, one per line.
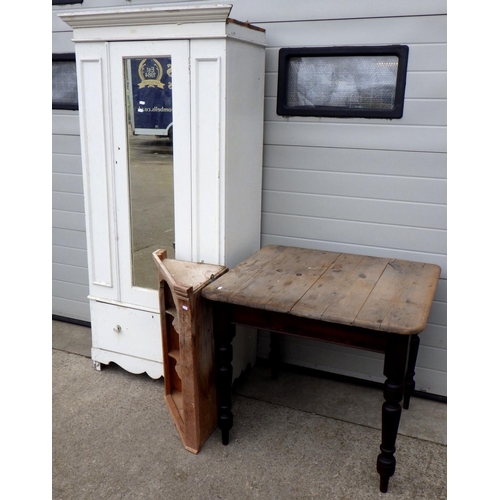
pixel 353 300
pixel 389 295
pixel 185 274
pixel 188 347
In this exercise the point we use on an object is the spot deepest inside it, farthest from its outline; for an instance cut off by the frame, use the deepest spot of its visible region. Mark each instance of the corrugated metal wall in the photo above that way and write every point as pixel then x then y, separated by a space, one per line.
pixel 370 186
pixel 70 285
pixel 356 185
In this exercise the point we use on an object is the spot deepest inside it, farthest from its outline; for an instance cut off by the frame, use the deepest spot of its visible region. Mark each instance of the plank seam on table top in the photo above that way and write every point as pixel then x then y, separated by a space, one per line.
pixel 371 291
pixel 339 254
pixel 399 295
pixel 317 279
pixel 266 262
pixel 416 330
pixel 290 309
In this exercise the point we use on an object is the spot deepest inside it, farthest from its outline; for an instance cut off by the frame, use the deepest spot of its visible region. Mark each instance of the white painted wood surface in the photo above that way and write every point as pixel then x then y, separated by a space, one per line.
pixel 119 168
pixel 128 337
pixel 207 119
pixel 243 151
pixel 96 159
pixel 206 161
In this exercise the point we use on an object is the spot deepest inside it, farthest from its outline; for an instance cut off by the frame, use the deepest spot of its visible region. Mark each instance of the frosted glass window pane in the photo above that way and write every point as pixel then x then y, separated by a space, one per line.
pixel 64 89
pixel 367 82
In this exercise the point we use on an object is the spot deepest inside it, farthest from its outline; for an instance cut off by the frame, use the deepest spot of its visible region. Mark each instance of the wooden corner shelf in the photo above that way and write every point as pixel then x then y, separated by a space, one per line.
pixel 188 346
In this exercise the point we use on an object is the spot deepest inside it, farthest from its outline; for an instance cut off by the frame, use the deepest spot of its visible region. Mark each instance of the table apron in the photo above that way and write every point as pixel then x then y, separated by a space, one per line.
pixel 289 324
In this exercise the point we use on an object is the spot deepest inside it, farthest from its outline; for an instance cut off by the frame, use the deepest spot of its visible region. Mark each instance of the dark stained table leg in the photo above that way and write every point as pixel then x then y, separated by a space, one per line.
pixel 274 354
pixel 410 371
pixel 396 357
pixel 224 333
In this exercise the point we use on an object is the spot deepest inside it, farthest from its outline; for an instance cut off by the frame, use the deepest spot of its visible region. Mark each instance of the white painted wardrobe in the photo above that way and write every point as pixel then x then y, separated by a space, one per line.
pixel 195 192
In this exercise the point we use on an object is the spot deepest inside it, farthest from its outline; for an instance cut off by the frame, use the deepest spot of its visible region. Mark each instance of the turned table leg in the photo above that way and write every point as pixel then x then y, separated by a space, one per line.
pixel 396 357
pixel 274 354
pixel 224 333
pixel 409 388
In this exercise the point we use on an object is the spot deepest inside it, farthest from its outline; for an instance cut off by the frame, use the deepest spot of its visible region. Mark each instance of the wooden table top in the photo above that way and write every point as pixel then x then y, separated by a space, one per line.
pixel 384 294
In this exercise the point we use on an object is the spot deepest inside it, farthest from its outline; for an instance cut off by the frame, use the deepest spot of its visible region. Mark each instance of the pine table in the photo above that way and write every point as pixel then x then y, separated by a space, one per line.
pixel 373 303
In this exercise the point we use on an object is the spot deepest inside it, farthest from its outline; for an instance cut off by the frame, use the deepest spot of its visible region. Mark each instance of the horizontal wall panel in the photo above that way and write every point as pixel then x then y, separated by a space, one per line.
pixel 280 10
pixel 67 163
pixel 430 357
pixel 431 381
pixel 355 209
pixel 428 57
pixel 71 291
pixel 65 122
pixel 438 314
pixel 416 112
pixel 58 25
pixel 426 85
pixel 71 309
pixel 69 256
pixel 441 291
pixel 331 349
pixel 69 238
pixel 399 163
pixel 263 11
pixel 434 336
pixel 68 220
pixel 67 183
pixel 71 202
pixel 66 144
pixel 336 135
pixel 347 361
pixel 407 189
pixel 419 85
pixel 324 243
pixel 62 41
pixel 424 57
pixel 358 233
pixel 322 355
pixel 367 31
pixel 70 274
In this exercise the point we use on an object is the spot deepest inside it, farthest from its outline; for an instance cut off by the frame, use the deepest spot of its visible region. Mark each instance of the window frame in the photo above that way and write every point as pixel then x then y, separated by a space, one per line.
pixel 65 2
pixel 285 54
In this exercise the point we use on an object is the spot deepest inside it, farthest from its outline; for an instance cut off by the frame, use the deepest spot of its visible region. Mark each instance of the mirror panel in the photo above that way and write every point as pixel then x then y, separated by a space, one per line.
pixel 148 91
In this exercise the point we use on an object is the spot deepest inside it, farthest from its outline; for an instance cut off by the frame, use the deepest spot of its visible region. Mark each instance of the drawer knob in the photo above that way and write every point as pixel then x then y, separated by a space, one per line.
pixel 117 329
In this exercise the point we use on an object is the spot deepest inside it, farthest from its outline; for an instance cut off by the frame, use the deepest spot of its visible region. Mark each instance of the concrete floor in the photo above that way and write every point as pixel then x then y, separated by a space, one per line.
pixel 295 438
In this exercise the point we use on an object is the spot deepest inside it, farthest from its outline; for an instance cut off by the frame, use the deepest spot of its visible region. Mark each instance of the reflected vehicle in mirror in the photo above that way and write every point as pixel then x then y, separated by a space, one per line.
pixel 149 95
pixel 148 86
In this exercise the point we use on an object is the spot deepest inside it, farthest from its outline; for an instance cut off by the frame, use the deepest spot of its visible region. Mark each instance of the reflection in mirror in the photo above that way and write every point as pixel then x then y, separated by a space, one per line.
pixel 148 84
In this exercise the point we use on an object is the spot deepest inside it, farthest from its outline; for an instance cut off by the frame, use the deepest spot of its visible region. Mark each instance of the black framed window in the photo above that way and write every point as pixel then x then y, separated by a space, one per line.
pixel 64 88
pixel 65 2
pixel 367 82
